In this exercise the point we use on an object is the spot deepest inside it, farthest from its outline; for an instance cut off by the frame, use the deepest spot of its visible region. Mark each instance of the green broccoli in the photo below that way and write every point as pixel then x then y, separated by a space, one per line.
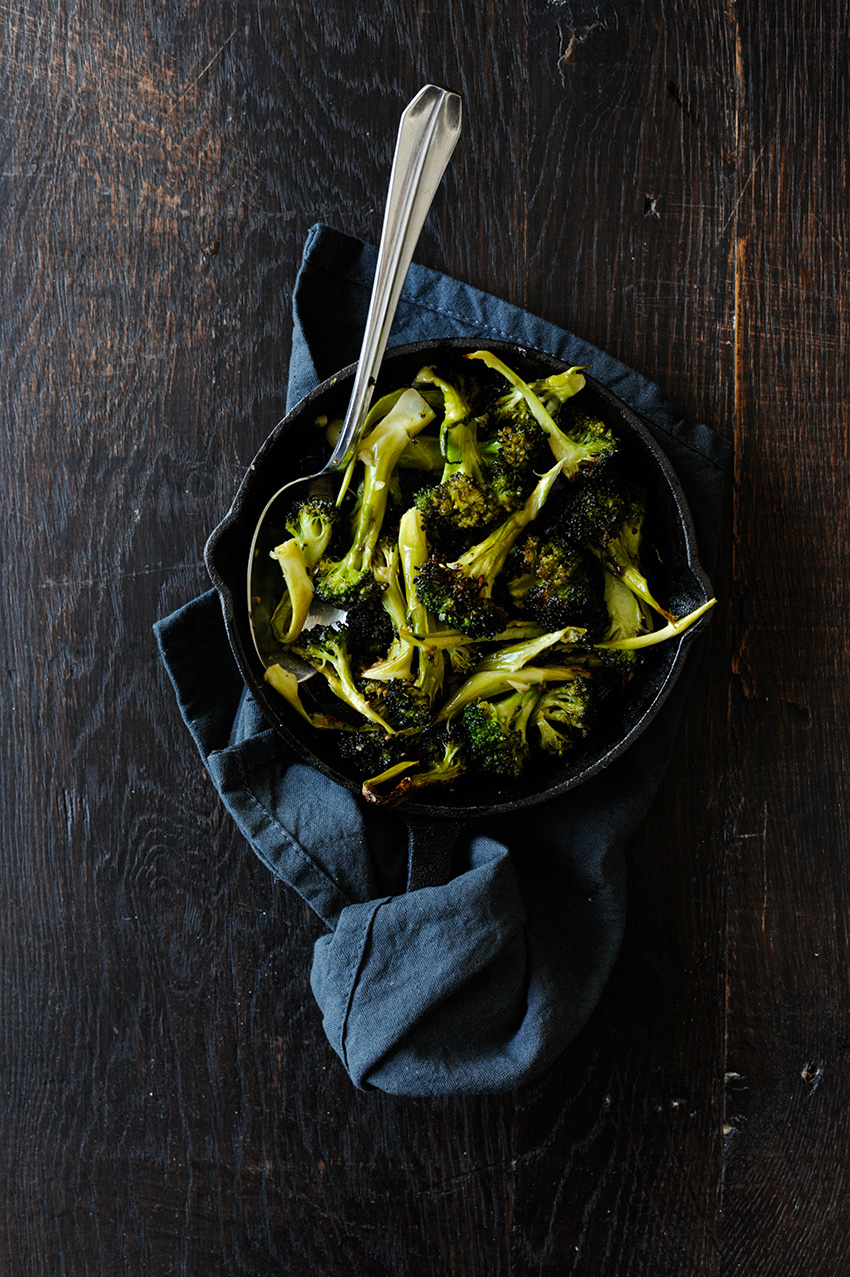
pixel 457 508
pixel 312 523
pixel 440 760
pixel 564 715
pixel 286 684
pixel 326 649
pixel 557 584
pixel 398 662
pixel 346 581
pixel 578 452
pixel 458 431
pixel 496 731
pixel 460 593
pixel 608 518
pixel 413 552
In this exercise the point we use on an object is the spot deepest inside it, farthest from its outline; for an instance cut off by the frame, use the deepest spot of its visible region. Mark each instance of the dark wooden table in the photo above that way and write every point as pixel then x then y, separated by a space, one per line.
pixel 669 181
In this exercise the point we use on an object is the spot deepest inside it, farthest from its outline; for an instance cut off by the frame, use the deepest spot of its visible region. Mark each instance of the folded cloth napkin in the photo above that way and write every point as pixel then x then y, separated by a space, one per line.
pixel 478 985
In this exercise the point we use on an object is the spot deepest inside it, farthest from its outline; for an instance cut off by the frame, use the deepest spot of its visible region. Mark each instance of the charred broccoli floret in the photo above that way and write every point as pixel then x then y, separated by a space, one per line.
pixel 349 580
pixel 326 649
pixel 439 759
pixel 557 584
pixel 460 593
pixel 578 449
pixel 458 599
pixel 563 715
pixel 608 518
pixel 398 661
pixel 312 522
pixel 289 616
pixel 496 732
pixel 457 508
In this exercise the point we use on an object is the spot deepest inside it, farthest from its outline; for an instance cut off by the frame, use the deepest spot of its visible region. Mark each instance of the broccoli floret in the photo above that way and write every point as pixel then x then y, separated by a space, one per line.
pixel 349 580
pixel 563 715
pixel 289 616
pixel 326 649
pixel 369 633
pixel 413 552
pixel 440 759
pixel 578 451
pixel 399 702
pixel 460 593
pixel 496 732
pixel 608 519
pixel 458 600
pixel 312 523
pixel 558 585
pixel 457 508
pixel 370 749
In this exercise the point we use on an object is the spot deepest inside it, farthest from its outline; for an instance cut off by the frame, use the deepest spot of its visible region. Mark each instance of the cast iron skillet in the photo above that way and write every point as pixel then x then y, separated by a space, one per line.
pixel 675 576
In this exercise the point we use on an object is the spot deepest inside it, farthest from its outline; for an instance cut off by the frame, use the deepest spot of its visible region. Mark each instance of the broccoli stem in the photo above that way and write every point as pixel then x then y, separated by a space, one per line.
pixel 284 682
pixel 489 683
pixel 287 620
pixel 458 432
pixel 658 636
pixel 379 451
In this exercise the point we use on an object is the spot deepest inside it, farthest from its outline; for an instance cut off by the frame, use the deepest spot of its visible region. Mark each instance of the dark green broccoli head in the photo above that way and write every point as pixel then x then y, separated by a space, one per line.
pixel 370 750
pixel 557 584
pixel 312 522
pixel 568 590
pixel 589 433
pixel 457 508
pixel 563 715
pixel 433 759
pixel 496 732
pixel 456 599
pixel 519 443
pixel 369 633
pixel 400 702
pixel 343 584
pixel 599 511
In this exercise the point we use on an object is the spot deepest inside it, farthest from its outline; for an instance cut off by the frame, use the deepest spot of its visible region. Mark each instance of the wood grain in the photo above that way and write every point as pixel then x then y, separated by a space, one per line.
pixel 669 182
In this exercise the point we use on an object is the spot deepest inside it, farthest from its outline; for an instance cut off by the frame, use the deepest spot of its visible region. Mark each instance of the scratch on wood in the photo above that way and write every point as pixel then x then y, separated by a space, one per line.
pixel 577 37
pixel 201 74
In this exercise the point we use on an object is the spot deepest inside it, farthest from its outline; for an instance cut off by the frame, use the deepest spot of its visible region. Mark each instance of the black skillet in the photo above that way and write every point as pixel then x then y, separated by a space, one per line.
pixel 296 445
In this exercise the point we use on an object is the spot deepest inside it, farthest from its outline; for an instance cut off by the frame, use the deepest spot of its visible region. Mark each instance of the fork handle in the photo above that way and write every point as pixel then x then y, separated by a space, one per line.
pixel 427 135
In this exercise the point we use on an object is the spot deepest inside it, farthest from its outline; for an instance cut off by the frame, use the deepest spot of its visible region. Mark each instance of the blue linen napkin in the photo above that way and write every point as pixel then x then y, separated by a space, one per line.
pixel 476 986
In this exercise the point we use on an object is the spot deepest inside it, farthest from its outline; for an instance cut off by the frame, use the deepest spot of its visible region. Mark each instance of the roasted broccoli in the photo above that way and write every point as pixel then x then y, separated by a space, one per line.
pixel 608 518
pixel 495 731
pixel 398 661
pixel 579 451
pixel 557 584
pixel 491 608
pixel 325 647
pixel 440 759
pixel 289 616
pixel 312 523
pixel 563 715
pixel 460 593
pixel 456 509
pixel 346 581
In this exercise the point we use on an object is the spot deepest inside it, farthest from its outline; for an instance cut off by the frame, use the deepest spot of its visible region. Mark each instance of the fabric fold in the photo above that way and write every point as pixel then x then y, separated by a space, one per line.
pixel 478 985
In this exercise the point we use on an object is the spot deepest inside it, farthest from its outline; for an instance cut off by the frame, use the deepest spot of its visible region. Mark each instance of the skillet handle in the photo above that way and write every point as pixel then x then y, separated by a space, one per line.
pixel 431 846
